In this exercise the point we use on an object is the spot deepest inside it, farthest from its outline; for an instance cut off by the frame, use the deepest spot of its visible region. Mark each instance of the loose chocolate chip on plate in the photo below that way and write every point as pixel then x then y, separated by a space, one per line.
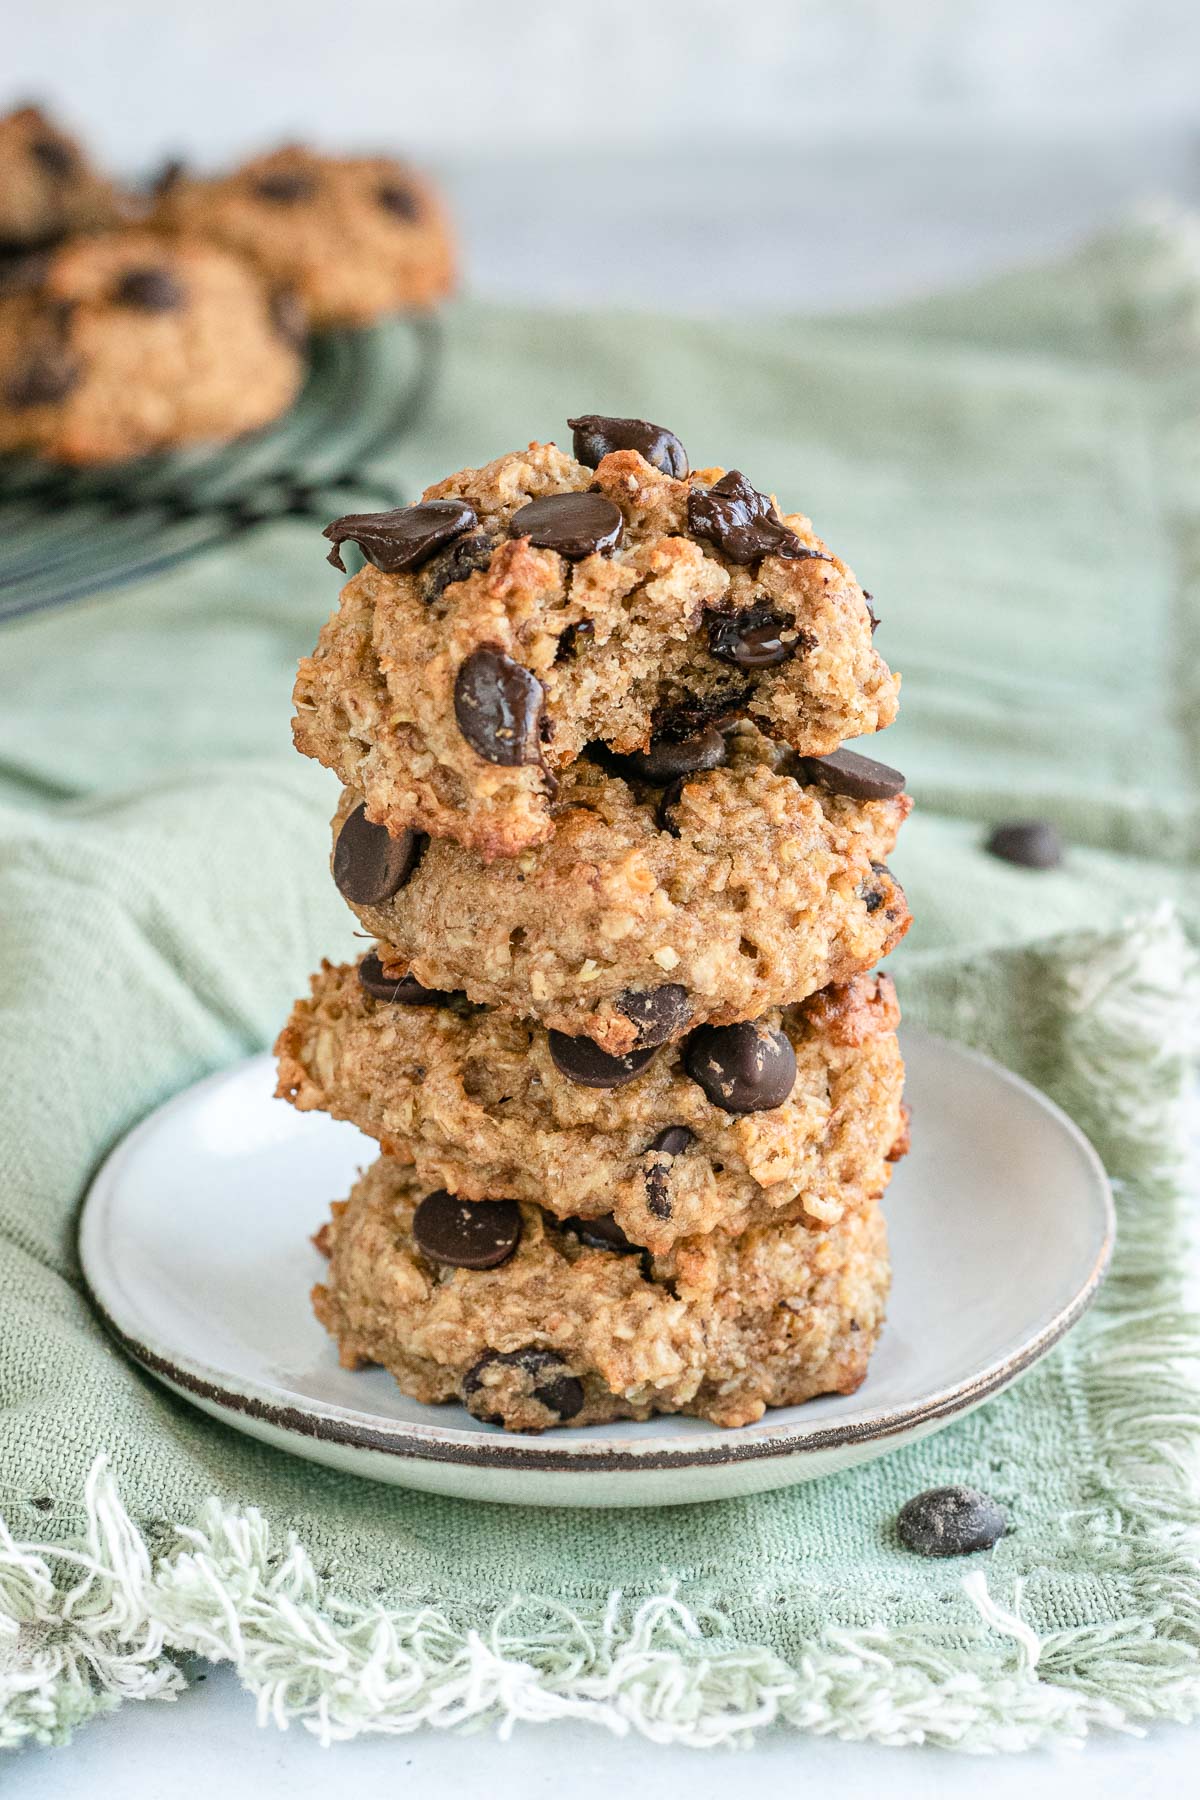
pixel 584 1063
pixel 1031 843
pixel 950 1521
pixel 399 990
pixel 466 1234
pixel 369 864
pixel 398 200
pixel 669 758
pixel 285 186
pixel 659 1013
pixel 47 375
pixel 595 436
pixel 466 556
pixel 150 290
pixel 401 539
pixel 600 1234
pixel 54 156
pixel 672 1142
pixel 757 638
pixel 498 706
pixel 742 1068
pixel 574 639
pixel 845 772
pixel 576 525
pixel 550 1382
pixel 743 523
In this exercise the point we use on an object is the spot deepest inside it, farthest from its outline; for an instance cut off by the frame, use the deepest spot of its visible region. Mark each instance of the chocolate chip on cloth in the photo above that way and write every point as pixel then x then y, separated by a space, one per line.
pixel 753 897
pixel 1030 843
pixel 568 1333
pixel 357 238
pixel 481 1104
pixel 950 1521
pixel 649 606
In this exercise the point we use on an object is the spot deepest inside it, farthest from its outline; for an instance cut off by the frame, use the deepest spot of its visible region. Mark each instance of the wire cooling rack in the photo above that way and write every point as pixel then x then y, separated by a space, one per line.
pixel 65 535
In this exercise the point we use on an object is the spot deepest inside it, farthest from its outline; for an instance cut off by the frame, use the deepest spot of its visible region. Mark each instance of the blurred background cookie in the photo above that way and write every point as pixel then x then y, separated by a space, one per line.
pixel 130 343
pixel 48 187
pixel 356 237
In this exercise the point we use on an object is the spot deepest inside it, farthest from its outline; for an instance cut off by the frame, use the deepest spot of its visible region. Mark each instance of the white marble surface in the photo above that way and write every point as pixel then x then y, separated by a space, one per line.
pixel 902 220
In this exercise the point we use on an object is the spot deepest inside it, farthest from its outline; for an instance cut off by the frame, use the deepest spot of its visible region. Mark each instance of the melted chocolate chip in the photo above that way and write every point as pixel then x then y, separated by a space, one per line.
pixel 665 813
pixel 600 1234
pixel 466 1234
pixel 398 200
pixel 399 990
pixel 742 1068
pixel 743 523
pixel 55 156
pixel 498 706
pixel 757 638
pixel 595 436
pixel 289 317
pixel 573 639
pixel 48 374
pixel 550 1381
pixel 466 556
pixel 690 715
pixel 669 1143
pixel 1030 843
pixel 576 525
pixel 845 772
pixel 403 538
pixel 150 290
pixel 669 758
pixel 285 186
pixel 369 865
pixel 659 1013
pixel 873 892
pixel 950 1521
pixel 584 1063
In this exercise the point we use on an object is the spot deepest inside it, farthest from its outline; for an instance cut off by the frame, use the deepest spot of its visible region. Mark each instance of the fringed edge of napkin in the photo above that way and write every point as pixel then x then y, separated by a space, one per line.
pixel 88 1624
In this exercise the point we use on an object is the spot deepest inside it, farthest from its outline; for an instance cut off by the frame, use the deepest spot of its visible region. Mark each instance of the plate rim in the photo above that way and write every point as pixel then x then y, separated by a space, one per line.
pixel 349 1429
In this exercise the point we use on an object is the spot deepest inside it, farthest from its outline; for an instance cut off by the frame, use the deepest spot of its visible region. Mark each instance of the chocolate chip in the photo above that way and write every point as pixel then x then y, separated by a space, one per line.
pixel 659 1013
pixel 757 638
pixel 399 990
pixel 55 156
pixel 595 436
pixel 742 1068
pixel 950 1521
pixel 573 638
pixel 1030 843
pixel 743 523
pixel 150 290
pixel 369 864
pixel 48 374
pixel 285 186
pixel 550 1381
pixel 873 893
pixel 665 813
pixel 845 772
pixel 600 1234
pixel 466 556
pixel 669 758
pixel 584 1063
pixel 688 717
pixel 288 316
pixel 466 1234
pixel 401 539
pixel 22 271
pixel 498 706
pixel 576 525
pixel 168 176
pixel 672 1142
pixel 398 200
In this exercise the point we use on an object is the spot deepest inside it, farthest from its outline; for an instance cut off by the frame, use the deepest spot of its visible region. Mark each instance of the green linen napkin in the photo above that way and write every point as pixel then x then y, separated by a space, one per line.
pixel 1015 475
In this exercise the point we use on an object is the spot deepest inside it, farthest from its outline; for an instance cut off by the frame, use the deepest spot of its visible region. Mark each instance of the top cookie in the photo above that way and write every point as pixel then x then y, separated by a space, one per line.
pixel 543 602
pixel 354 237
pixel 48 188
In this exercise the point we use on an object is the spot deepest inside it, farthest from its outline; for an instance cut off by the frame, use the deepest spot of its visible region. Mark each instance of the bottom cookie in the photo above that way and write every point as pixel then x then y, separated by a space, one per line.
pixel 574 1326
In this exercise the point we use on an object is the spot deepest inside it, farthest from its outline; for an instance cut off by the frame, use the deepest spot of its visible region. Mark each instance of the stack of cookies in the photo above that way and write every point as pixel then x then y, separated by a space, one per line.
pixel 636 1089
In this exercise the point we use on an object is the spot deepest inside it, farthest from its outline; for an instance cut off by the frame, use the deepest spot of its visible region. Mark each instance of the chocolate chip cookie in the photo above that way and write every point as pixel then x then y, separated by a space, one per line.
pixel 129 343
pixel 705 882
pixel 524 610
pixel 354 237
pixel 48 188
pixel 559 1326
pixel 798 1110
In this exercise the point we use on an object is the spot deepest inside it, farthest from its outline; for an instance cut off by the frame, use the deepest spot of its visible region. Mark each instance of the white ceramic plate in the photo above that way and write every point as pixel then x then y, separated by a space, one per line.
pixel 194 1240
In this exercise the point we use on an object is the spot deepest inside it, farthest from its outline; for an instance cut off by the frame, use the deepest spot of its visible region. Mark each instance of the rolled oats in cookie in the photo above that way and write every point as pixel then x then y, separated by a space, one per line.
pixel 488 1107
pixel 628 601
pixel 763 888
pixel 130 344
pixel 49 189
pixel 570 1329
pixel 355 237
